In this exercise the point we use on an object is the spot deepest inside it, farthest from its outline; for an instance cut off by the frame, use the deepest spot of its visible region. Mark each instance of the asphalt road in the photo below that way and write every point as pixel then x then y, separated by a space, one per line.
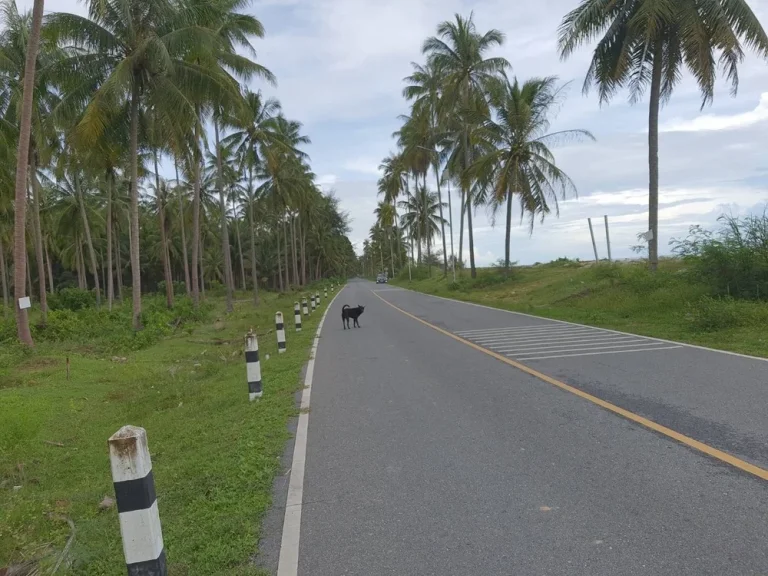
pixel 426 456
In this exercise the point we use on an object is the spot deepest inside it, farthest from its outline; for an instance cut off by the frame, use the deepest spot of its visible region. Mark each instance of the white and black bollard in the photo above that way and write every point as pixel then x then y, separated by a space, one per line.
pixel 317 297
pixel 253 366
pixel 297 316
pixel 313 303
pixel 304 306
pixel 280 329
pixel 326 292
pixel 137 502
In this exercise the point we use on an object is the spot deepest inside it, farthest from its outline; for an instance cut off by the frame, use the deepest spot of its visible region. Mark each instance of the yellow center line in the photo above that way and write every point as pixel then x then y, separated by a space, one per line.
pixel 656 427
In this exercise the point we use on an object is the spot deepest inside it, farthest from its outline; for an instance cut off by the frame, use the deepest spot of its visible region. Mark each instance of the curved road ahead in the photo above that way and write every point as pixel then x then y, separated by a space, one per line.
pixel 428 456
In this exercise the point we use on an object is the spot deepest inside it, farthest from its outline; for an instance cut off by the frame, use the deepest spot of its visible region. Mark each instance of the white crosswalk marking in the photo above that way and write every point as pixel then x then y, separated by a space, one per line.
pixel 547 341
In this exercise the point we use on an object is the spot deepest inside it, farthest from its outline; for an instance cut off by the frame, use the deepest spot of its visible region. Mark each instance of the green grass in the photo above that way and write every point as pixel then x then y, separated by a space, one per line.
pixel 214 453
pixel 624 297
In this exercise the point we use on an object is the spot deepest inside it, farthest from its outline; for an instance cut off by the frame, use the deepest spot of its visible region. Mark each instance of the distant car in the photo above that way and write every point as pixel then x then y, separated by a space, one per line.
pixel 381 279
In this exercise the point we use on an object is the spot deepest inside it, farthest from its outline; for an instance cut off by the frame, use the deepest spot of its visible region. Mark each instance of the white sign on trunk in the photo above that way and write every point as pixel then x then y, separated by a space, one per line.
pixel 25 303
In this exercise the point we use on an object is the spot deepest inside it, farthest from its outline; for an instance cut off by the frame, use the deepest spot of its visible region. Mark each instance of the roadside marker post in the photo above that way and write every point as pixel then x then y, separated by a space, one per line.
pixel 304 306
pixel 326 292
pixel 317 297
pixel 137 502
pixel 253 366
pixel 280 329
pixel 297 316
pixel 313 303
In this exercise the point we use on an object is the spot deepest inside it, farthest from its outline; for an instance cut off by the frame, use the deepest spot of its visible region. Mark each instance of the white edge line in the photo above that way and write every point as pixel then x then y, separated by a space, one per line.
pixel 288 563
pixel 596 353
pixel 679 344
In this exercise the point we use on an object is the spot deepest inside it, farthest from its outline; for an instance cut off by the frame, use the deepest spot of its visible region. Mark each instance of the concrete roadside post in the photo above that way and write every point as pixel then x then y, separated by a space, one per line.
pixel 280 329
pixel 304 306
pixel 297 316
pixel 253 366
pixel 326 292
pixel 313 302
pixel 317 297
pixel 137 502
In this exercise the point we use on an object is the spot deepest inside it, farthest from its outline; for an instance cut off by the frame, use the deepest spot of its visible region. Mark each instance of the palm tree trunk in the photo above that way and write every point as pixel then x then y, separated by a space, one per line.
pixel 91 252
pixel 29 280
pixel 118 266
pixel 50 268
pixel 391 252
pixel 279 264
pixel 429 258
pixel 442 220
pixel 187 282
pixel 164 254
pixel 134 215
pixel 38 232
pixel 460 255
pixel 653 158
pixel 110 280
pixel 82 280
pixel 508 234
pixel 225 250
pixel 197 257
pixel 4 277
pixel 101 267
pixel 293 246
pixel 303 253
pixel 20 212
pixel 285 251
pixel 470 235
pixel 239 244
pixel 254 273
pixel 202 269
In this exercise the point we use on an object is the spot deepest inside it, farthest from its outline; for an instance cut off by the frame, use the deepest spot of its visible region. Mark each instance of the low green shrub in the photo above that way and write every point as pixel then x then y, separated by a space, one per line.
pixel 711 314
pixel 71 299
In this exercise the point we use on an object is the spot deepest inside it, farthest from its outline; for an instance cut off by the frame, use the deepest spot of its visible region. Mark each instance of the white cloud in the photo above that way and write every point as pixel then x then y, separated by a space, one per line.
pixel 326 180
pixel 709 122
pixel 363 165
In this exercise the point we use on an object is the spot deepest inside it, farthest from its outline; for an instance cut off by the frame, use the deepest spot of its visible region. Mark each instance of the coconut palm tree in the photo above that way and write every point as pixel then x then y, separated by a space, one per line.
pixel 22 158
pixel 646 45
pixel 385 218
pixel 421 217
pixel 459 53
pixel 73 186
pixel 519 162
pixel 135 51
pixel 424 87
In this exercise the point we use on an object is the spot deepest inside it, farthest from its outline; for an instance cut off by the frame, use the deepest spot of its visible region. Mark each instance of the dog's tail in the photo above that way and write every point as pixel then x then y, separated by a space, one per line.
pixel 345 306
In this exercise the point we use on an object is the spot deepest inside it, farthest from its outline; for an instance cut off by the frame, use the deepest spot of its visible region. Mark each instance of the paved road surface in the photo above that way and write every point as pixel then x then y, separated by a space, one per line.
pixel 426 456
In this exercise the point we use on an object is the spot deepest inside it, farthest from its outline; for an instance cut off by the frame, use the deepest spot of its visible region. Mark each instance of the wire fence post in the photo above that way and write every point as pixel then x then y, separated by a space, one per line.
pixel 592 234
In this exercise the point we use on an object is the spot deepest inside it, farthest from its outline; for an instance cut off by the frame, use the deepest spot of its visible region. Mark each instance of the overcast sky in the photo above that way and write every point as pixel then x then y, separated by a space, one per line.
pixel 340 65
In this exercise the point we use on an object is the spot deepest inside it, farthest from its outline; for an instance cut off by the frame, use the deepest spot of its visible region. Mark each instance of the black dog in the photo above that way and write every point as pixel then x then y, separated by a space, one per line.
pixel 353 313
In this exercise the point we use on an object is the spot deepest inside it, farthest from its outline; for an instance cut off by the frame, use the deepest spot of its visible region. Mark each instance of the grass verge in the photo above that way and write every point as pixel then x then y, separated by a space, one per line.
pixel 623 297
pixel 214 454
